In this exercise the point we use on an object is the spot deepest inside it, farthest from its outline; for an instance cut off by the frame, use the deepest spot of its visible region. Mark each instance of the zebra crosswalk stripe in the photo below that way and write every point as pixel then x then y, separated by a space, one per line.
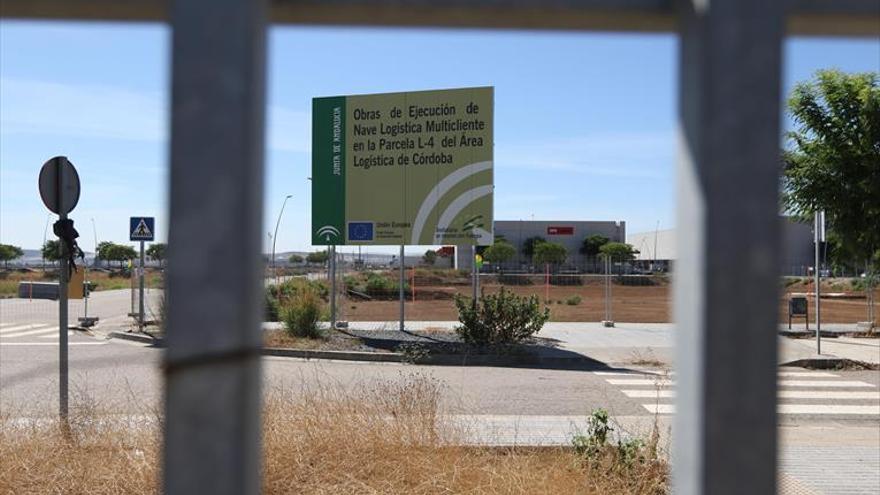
pixel 36 330
pixel 818 409
pixel 9 329
pixel 799 393
pixel 782 394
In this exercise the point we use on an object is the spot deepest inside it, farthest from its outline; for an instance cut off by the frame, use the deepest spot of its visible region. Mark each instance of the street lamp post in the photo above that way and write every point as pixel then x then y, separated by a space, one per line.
pixel 45 234
pixel 95 231
pixel 275 236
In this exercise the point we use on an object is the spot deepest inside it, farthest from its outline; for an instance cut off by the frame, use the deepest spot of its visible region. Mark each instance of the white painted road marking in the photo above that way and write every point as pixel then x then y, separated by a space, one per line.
pixel 781 383
pixel 641 382
pixel 18 328
pixel 649 394
pixel 815 374
pixel 822 383
pixel 800 393
pixel 783 394
pixel 791 409
pixel 3 344
pixel 43 329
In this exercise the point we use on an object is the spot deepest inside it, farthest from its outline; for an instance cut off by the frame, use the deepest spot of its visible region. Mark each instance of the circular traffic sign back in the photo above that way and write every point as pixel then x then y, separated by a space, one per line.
pixel 57 172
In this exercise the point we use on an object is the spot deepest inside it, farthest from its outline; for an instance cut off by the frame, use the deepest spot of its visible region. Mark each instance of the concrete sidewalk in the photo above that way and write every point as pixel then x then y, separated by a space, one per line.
pixel 652 344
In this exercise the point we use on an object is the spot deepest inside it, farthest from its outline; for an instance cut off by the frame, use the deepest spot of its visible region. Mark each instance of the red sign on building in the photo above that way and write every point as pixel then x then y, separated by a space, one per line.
pixel 556 230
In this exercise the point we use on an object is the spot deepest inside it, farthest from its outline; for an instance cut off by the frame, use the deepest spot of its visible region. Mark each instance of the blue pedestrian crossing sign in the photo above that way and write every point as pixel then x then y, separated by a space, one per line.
pixel 141 229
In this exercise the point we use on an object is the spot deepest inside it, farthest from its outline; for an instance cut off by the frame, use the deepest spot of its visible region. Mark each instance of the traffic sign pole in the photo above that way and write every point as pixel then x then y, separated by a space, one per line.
pixel 59 189
pixel 141 291
pixel 62 304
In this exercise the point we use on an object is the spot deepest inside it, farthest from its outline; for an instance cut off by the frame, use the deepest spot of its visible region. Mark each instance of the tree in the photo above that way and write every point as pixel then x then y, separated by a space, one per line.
pixel 156 252
pixel 499 252
pixel 50 250
pixel 109 251
pixel 591 244
pixel 550 253
pixel 832 160
pixel 123 253
pixel 430 257
pixel 8 253
pixel 295 259
pixel 618 251
pixel 530 244
pixel 318 257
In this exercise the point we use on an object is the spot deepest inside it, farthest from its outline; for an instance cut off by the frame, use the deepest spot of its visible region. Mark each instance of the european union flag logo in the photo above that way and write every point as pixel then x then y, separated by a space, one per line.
pixel 360 231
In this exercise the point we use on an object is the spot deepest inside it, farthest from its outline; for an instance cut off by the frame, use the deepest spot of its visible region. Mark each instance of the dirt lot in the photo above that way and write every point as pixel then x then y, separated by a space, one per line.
pixel 634 304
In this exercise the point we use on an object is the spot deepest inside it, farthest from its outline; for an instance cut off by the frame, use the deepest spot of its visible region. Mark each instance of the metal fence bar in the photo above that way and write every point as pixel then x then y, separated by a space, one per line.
pixel 805 17
pixel 726 293
pixel 212 365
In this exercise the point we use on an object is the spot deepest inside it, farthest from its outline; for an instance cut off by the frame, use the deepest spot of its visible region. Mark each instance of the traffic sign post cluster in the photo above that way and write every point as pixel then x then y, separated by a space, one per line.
pixel 141 229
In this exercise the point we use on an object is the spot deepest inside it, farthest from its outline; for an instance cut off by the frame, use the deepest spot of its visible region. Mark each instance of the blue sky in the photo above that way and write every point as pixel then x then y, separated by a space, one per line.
pixel 584 123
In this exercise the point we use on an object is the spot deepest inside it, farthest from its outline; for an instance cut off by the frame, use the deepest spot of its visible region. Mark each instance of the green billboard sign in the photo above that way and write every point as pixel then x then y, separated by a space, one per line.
pixel 409 168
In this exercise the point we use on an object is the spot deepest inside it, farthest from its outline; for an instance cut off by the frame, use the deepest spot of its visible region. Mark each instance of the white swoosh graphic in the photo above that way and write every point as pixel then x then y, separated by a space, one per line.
pixel 457 206
pixel 439 190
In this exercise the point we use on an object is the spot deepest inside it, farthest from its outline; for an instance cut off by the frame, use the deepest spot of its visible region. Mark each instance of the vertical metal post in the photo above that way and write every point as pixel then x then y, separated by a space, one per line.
pixel 63 277
pixel 401 283
pixel 817 238
pixel 474 276
pixel 212 364
pixel 332 287
pixel 141 270
pixel 85 293
pixel 609 318
pixel 726 296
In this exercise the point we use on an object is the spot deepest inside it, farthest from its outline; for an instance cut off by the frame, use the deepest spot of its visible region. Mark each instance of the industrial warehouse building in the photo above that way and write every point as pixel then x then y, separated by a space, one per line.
pixel 570 234
pixel 658 247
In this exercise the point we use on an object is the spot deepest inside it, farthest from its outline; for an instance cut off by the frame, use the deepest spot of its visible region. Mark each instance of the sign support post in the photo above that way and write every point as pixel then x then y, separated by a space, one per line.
pixel 401 283
pixel 474 275
pixel 141 270
pixel 332 260
pixel 141 229
pixel 62 306
pixel 60 189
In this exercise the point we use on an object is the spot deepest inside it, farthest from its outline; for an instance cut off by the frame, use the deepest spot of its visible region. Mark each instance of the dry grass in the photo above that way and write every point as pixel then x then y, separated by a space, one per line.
pixel 384 437
pixel 9 280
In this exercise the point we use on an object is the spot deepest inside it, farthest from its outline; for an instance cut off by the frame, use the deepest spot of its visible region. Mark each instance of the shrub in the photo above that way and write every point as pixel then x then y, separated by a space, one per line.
pixel 378 285
pixel 627 456
pixel 278 295
pixel 271 313
pixel 502 318
pixel 573 300
pixel 302 312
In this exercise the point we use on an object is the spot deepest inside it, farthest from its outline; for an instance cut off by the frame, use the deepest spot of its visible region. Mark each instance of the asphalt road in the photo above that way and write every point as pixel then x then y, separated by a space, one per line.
pixel 124 377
